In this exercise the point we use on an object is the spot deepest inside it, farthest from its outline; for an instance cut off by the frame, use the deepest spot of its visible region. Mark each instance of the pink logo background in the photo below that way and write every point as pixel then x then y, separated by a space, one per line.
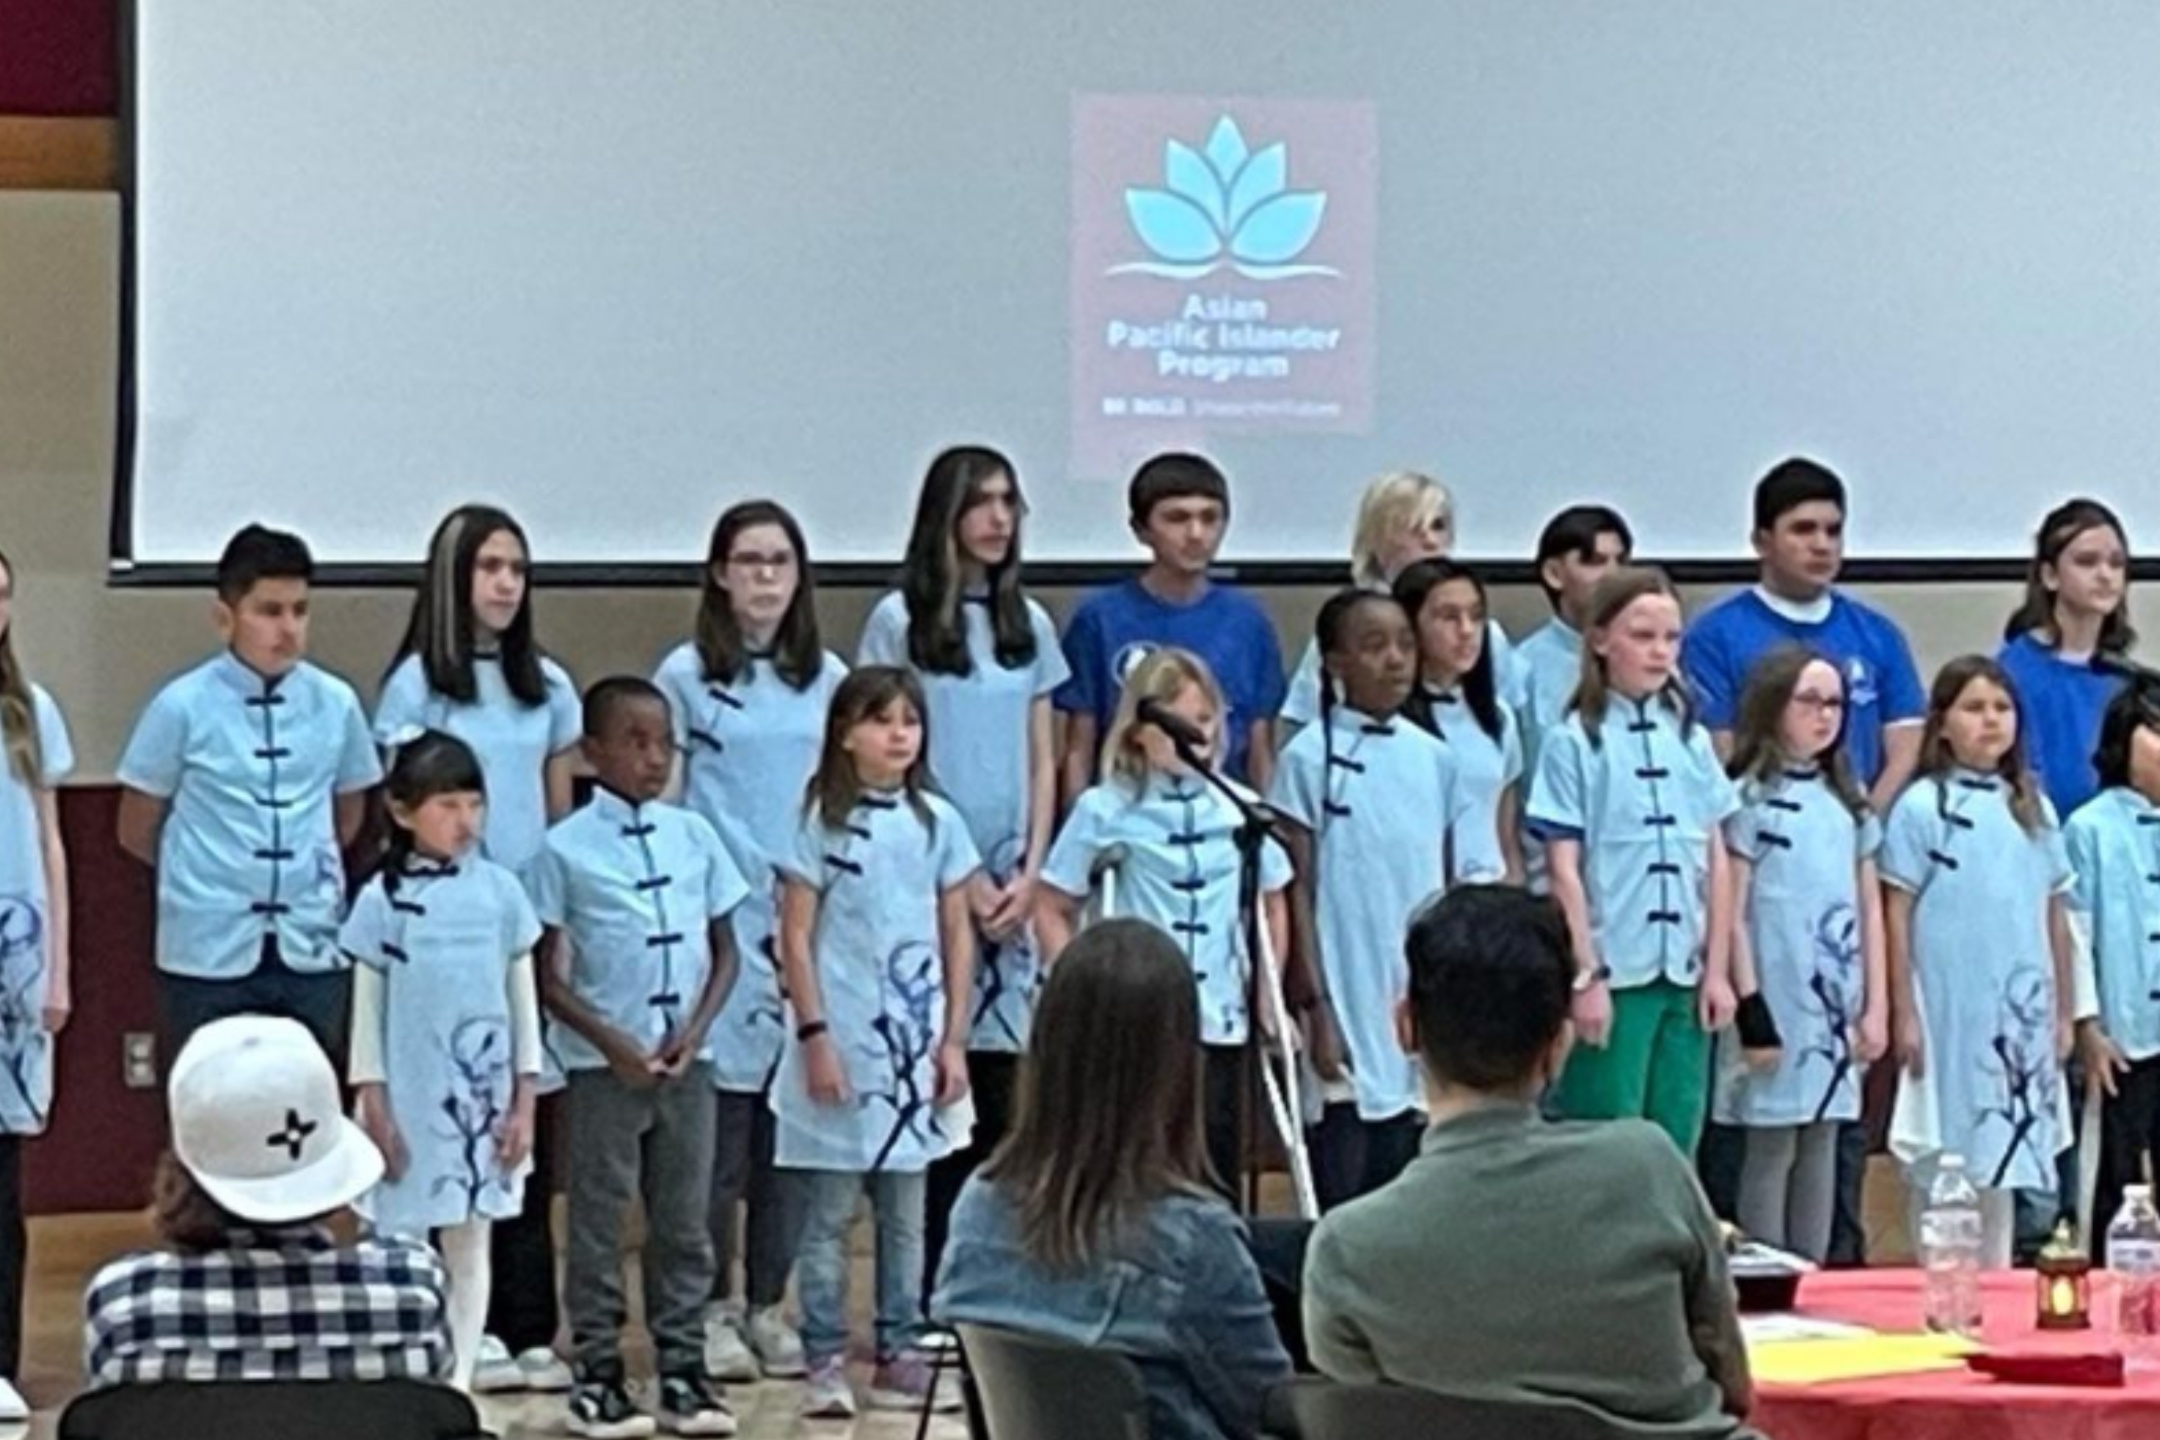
pixel 1124 404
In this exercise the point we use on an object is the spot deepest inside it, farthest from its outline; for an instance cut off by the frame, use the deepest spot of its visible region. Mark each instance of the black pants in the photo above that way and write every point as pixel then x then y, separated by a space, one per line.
pixel 1353 1157
pixel 1848 1230
pixel 522 1308
pixel 1222 1083
pixel 2129 1128
pixel 11 1257
pixel 319 1001
pixel 1719 1156
pixel 992 1078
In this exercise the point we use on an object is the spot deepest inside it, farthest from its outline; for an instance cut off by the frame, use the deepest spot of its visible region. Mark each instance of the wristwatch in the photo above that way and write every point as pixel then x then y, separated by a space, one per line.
pixel 1596 975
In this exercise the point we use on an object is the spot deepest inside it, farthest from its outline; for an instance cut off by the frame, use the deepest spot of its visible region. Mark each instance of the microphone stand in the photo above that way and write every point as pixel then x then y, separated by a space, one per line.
pixel 1256 822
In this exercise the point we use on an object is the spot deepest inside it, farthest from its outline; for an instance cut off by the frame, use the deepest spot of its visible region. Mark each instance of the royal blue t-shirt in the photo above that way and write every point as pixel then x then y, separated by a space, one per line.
pixel 1115 628
pixel 2059 710
pixel 1882 687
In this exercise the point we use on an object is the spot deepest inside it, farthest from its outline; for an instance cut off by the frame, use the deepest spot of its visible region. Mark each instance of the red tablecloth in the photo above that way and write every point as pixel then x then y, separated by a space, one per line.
pixel 1952 1404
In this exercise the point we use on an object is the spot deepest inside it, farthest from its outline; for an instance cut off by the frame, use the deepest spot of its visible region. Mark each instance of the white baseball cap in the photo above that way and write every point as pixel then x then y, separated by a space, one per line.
pixel 256 1121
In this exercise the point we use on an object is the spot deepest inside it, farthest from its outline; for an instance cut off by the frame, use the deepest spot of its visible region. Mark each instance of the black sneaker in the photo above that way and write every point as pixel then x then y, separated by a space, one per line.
pixel 690 1406
pixel 601 1408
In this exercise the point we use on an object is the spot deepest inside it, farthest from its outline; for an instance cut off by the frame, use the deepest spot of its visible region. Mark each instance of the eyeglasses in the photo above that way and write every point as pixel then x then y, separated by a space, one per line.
pixel 756 560
pixel 1821 704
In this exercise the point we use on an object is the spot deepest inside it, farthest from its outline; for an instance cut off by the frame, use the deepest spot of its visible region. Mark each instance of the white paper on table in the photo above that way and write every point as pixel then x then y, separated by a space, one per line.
pixel 1764 1329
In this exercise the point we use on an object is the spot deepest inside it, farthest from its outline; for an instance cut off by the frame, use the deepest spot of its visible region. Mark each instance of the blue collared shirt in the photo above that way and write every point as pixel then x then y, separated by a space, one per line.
pixel 2114 846
pixel 251 769
pixel 1172 843
pixel 1646 798
pixel 634 888
pixel 1379 798
pixel 512 740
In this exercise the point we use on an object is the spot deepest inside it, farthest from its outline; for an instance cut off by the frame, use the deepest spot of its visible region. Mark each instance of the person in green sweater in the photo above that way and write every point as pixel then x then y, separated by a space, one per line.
pixel 1518 1260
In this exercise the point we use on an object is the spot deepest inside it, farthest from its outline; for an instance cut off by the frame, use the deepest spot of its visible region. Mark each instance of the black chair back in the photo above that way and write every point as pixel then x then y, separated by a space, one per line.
pixel 1325 1410
pixel 1032 1387
pixel 273 1410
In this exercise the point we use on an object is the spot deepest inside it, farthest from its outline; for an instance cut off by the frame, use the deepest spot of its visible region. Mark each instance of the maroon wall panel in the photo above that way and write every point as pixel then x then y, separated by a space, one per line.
pixel 104 1138
pixel 59 57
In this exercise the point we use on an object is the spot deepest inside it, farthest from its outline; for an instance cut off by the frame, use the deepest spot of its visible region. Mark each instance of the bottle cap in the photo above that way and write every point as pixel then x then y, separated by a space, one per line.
pixel 1951 1160
pixel 2138 1192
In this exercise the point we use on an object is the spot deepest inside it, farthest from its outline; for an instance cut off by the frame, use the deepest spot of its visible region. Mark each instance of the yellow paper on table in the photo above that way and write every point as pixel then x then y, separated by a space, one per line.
pixel 1859 1357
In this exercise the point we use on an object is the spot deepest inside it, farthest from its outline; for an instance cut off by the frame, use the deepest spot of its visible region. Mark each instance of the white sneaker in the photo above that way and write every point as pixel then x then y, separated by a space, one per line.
pixel 828 1396
pixel 727 1356
pixel 544 1372
pixel 776 1344
pixel 494 1371
pixel 14 1410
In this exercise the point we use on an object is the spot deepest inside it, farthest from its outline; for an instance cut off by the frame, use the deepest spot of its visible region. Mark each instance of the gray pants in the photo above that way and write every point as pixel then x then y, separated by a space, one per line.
pixel 656 1144
pixel 772 1219
pixel 1788 1186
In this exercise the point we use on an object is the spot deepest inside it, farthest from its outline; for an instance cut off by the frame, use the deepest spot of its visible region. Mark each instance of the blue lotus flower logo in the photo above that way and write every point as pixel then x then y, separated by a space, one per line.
pixel 1225 205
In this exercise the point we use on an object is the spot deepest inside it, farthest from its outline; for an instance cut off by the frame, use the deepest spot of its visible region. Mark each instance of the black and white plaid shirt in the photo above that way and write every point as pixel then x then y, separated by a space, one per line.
pixel 278 1304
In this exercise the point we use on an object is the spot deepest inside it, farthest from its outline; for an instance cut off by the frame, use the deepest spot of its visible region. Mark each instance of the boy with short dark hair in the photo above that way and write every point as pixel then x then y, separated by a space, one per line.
pixel 635 960
pixel 244 780
pixel 1179 508
pixel 1578 547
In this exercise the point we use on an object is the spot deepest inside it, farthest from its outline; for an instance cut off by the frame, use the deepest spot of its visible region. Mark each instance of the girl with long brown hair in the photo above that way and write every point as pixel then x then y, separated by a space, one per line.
pixel 877 950
pixel 1980 991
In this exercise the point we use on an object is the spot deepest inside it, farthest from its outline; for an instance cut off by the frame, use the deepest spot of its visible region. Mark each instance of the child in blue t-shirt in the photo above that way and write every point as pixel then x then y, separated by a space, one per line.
pixel 2077 605
pixel 244 781
pixel 1800 537
pixel 1180 506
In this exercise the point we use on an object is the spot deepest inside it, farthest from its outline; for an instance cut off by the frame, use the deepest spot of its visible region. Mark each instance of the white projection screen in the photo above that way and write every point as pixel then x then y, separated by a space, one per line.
pixel 616 266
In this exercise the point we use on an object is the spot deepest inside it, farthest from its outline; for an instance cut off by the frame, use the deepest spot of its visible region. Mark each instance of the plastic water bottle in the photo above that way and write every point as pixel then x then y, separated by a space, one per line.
pixel 2133 1255
pixel 1950 1251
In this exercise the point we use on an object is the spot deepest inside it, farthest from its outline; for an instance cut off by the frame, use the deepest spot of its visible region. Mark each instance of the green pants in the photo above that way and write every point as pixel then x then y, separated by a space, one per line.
pixel 1655 1066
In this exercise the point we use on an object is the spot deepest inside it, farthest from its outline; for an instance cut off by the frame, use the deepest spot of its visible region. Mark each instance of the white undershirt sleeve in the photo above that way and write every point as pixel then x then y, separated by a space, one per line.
pixel 366 1065
pixel 524 1016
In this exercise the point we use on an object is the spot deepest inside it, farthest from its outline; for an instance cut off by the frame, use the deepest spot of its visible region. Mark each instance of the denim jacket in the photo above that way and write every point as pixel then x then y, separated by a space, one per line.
pixel 1183 1300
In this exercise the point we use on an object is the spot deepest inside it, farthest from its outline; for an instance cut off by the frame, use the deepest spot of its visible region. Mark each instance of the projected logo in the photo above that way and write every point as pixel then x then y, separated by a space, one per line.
pixel 1225 205
pixel 1222 272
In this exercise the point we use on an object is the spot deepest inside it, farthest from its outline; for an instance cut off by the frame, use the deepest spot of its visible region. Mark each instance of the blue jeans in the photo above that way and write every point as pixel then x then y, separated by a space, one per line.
pixel 827 1200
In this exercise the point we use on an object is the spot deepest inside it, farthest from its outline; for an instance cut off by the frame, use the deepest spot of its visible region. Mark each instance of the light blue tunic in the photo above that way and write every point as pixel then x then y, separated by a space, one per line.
pixel 1301 704
pixel 979 760
pixel 1378 797
pixel 1803 924
pixel 881 972
pixel 26 937
pixel 1984 975
pixel 634 888
pixel 2114 847
pixel 1485 767
pixel 1173 843
pixel 748 750
pixel 251 769
pixel 1549 663
pixel 1646 801
pixel 514 742
pixel 444 943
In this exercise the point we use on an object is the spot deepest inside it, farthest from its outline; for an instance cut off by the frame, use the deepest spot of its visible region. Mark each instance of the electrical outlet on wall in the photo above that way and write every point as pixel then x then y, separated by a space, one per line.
pixel 138 1060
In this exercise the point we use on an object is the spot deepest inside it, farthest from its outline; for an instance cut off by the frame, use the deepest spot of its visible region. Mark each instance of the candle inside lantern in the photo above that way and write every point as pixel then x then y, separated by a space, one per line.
pixel 2064 1276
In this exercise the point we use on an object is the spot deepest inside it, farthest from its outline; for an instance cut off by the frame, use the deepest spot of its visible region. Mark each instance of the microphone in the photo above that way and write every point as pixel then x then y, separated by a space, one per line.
pixel 1182 732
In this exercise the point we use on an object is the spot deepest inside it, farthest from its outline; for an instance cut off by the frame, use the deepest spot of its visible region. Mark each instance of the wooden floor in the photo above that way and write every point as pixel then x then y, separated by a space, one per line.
pixel 65 1250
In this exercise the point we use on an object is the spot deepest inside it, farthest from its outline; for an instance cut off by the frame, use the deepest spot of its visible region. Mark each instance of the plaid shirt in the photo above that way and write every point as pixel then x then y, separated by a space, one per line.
pixel 278 1304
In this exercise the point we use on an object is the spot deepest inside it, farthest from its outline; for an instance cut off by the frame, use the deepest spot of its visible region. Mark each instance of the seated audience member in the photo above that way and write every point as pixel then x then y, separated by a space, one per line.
pixel 252 1285
pixel 1096 1221
pixel 1518 1260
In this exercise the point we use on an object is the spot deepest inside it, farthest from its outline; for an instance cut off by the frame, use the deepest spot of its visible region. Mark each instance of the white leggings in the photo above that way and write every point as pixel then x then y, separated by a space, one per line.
pixel 465 1255
pixel 1998 1217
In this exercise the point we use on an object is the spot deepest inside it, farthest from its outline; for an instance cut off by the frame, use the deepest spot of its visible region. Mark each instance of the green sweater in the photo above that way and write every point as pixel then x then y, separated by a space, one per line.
pixel 1519 1260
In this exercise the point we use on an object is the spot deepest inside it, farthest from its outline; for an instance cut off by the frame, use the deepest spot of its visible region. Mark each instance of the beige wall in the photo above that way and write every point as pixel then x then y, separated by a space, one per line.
pixel 102 651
